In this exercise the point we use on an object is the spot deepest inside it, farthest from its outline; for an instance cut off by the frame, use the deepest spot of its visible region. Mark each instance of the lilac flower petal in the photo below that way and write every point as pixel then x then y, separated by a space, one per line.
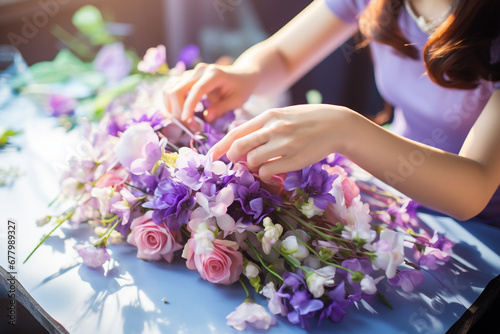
pixel 407 279
pixel 189 54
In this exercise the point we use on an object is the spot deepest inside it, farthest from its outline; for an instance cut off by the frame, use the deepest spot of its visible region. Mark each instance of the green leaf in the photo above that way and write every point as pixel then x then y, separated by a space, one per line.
pixel 384 300
pixel 90 22
pixel 64 66
pixel 5 134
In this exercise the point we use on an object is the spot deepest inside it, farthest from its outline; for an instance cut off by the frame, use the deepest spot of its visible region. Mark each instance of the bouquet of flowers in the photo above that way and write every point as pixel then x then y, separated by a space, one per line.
pixel 313 242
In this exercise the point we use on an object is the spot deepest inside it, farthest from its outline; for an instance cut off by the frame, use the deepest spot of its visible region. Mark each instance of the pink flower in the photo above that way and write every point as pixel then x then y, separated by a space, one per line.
pixel 109 179
pixel 153 59
pixel 153 241
pixel 351 190
pixel 252 313
pixel 138 149
pixel 93 257
pixel 223 265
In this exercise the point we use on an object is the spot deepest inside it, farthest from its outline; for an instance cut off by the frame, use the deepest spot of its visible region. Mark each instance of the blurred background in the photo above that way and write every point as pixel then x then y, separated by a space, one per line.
pixel 218 27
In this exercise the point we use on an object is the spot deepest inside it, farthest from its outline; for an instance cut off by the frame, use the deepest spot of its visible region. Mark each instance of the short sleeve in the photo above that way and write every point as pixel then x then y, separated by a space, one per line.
pixel 347 10
pixel 495 57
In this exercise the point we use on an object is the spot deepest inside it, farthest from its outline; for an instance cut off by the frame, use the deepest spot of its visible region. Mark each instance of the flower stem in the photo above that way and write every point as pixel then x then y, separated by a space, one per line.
pixel 312 249
pixel 186 130
pixel 61 220
pixel 313 228
pixel 245 288
pixel 131 186
pixel 262 262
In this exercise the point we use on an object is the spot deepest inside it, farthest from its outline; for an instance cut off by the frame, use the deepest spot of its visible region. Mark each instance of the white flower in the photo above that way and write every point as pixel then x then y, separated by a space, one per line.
pixel 272 232
pixel 294 248
pixel 290 245
pixel 105 196
pixel 368 284
pixel 389 251
pixel 252 313
pixel 318 279
pixel 204 238
pixel 310 210
pixel 72 188
pixel 275 305
pixel 250 270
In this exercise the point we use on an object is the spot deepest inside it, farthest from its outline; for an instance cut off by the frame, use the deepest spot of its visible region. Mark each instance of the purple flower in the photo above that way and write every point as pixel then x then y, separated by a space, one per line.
pixel 189 55
pixel 147 182
pixel 195 169
pixel 335 310
pixel 407 279
pixel 364 266
pixel 315 182
pixel 93 257
pixel 251 202
pixel 155 120
pixel 113 62
pixel 298 300
pixel 336 159
pixel 404 215
pixel 172 204
pixel 441 242
pixel 61 105
pixel 437 250
pixel 126 209
pixel 153 59
pixel 116 125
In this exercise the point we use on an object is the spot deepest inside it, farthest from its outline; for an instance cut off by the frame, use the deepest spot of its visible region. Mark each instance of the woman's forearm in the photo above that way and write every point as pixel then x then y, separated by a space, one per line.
pixel 452 184
pixel 296 48
pixel 268 65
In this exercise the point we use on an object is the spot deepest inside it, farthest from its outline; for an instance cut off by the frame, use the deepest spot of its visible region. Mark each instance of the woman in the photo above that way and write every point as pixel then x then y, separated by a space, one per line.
pixel 436 62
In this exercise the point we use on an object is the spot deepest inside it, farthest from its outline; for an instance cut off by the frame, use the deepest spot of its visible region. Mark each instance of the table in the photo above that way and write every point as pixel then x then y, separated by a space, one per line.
pixel 126 295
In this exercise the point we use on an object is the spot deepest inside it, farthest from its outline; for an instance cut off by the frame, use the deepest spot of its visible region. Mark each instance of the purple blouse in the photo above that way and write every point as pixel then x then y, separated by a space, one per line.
pixel 423 111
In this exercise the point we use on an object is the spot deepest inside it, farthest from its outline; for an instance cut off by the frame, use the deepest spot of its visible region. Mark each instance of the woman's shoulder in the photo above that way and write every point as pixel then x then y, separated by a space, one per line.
pixel 347 10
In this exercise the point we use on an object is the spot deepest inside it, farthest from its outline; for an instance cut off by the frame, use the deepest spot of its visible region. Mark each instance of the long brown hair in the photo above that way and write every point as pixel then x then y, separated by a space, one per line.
pixel 457 54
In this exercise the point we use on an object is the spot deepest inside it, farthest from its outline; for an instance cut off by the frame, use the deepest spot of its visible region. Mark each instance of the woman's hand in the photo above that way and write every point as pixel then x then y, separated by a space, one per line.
pixel 227 87
pixel 286 139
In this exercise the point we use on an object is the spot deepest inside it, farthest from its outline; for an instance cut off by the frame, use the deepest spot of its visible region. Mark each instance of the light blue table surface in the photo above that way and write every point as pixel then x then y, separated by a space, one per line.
pixel 126 297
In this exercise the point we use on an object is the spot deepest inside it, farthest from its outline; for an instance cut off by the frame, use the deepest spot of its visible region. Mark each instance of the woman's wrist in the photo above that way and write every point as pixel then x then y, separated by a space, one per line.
pixel 344 129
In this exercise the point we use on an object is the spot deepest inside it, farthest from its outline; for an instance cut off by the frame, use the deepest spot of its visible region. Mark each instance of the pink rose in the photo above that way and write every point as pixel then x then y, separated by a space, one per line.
pixel 153 241
pixel 109 179
pixel 222 266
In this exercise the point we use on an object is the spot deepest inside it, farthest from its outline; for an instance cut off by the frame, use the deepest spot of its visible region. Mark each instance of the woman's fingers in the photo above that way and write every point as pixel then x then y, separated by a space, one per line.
pixel 175 95
pixel 211 79
pixel 220 107
pixel 227 143
pixel 275 166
